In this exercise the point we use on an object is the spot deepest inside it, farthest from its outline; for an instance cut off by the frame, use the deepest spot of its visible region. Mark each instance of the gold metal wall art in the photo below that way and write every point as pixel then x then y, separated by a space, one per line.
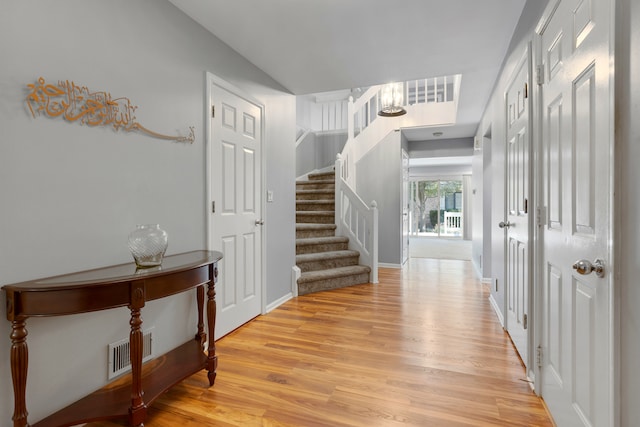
pixel 77 104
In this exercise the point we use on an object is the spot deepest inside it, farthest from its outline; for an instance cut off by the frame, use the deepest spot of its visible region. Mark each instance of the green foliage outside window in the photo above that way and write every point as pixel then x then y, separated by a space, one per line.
pixel 426 194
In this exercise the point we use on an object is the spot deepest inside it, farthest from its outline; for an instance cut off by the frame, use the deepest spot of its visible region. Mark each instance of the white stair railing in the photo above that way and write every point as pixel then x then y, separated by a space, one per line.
pixel 429 102
pixel 452 222
pixel 357 221
pixel 435 90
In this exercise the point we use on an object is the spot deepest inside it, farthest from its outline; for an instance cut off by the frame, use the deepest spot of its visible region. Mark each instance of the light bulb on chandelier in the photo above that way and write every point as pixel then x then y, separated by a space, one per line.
pixel 392 100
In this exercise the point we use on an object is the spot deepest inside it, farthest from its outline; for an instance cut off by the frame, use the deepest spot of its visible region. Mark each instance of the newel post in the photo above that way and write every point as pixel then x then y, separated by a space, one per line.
pixel 338 196
pixel 374 242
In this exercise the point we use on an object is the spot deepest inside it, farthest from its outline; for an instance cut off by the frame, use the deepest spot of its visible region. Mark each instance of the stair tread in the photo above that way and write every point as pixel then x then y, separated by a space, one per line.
pixel 315 213
pixel 321 256
pixel 314 226
pixel 312 276
pixel 316 181
pixel 316 191
pixel 321 240
pixel 310 202
pixel 319 175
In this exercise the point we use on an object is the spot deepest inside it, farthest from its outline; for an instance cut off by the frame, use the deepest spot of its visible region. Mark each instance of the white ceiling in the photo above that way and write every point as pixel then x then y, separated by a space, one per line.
pixel 312 46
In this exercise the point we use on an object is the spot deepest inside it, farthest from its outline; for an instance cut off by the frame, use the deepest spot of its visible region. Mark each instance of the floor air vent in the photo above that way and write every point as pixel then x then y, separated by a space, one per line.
pixel 119 354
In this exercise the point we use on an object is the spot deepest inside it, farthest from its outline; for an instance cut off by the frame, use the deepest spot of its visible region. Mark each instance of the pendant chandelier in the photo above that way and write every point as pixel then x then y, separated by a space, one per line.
pixel 392 100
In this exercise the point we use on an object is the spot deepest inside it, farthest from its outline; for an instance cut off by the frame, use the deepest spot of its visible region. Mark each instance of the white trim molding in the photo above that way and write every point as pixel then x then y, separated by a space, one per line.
pixel 494 304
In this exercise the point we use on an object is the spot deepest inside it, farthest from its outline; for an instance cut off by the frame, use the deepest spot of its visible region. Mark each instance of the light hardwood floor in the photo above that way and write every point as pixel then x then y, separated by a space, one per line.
pixel 421 348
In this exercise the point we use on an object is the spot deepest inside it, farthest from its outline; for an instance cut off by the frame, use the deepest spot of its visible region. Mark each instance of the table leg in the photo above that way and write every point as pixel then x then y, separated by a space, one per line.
pixel 212 359
pixel 138 410
pixel 201 336
pixel 19 366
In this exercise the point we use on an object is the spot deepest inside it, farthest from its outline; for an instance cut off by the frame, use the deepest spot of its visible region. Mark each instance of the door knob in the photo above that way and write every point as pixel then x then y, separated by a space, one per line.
pixel 585 267
pixel 505 224
pixel 259 221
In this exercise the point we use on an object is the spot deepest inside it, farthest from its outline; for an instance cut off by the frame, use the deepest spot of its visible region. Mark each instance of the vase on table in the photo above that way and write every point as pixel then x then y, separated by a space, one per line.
pixel 148 243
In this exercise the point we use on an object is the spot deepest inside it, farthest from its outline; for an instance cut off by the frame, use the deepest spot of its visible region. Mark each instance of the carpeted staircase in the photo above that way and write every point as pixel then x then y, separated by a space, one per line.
pixel 323 258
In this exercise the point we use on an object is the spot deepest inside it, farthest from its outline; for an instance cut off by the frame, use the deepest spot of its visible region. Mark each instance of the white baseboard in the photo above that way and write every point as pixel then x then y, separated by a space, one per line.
pixel 494 304
pixel 476 268
pixel 531 379
pixel 277 303
pixel 385 265
pixel 295 275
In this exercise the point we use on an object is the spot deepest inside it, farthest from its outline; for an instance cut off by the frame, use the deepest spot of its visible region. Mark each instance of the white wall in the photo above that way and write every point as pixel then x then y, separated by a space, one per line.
pixel 306 153
pixel 328 145
pixel 70 193
pixel 477 196
pixel 487 201
pixel 379 178
pixel 452 147
pixel 308 113
pixel 482 220
pixel 328 114
pixel 318 150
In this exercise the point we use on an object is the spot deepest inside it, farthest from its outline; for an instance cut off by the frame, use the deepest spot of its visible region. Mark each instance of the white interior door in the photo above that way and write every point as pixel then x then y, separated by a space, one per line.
pixel 236 209
pixel 517 225
pixel 576 111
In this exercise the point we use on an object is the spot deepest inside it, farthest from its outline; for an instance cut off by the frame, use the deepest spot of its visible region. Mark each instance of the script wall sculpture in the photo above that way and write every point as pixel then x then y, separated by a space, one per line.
pixel 77 104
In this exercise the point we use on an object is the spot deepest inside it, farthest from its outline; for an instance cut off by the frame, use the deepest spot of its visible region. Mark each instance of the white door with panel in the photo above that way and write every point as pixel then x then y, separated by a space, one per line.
pixel 236 211
pixel 576 152
pixel 517 224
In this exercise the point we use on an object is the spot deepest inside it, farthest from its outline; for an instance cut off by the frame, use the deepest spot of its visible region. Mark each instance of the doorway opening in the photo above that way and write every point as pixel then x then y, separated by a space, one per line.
pixel 436 219
pixel 436 208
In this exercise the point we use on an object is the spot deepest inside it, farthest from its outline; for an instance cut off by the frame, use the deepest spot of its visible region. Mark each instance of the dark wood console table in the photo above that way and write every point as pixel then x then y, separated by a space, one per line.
pixel 110 287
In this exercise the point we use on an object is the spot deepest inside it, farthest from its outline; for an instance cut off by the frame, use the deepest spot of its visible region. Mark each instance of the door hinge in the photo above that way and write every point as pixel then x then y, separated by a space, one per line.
pixel 540 216
pixel 213 207
pixel 213 111
pixel 525 321
pixel 540 74
pixel 539 356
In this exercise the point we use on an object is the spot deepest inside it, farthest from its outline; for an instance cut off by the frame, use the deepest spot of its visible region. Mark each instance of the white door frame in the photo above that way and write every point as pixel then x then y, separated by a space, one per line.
pixel 537 250
pixel 405 185
pixel 211 80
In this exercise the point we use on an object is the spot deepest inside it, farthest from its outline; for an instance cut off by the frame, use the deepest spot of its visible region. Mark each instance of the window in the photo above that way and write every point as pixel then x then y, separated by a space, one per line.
pixel 436 208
